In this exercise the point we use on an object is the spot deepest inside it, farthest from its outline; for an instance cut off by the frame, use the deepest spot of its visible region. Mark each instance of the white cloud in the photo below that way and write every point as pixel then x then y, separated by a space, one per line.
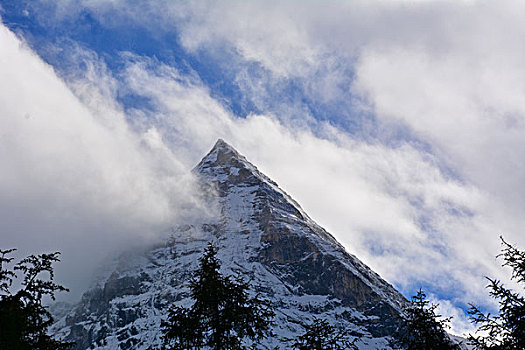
pixel 73 179
pixel 459 321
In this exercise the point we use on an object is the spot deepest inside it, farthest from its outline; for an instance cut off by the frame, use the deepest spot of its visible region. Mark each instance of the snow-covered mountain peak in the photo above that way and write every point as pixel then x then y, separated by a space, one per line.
pixel 223 164
pixel 263 235
pixel 222 155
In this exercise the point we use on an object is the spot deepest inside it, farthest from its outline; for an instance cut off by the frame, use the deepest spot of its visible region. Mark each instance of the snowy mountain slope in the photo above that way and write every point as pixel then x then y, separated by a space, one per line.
pixel 264 236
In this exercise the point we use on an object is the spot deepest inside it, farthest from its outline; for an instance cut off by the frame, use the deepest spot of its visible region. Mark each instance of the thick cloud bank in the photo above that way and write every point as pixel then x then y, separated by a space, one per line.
pixel 72 179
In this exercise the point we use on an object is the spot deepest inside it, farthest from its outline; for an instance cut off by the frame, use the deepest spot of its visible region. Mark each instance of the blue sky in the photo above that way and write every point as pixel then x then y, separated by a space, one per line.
pixel 399 126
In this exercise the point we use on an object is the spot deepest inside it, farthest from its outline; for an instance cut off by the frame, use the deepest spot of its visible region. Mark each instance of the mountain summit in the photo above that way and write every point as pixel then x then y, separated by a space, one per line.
pixel 262 235
pixel 222 155
pixel 225 165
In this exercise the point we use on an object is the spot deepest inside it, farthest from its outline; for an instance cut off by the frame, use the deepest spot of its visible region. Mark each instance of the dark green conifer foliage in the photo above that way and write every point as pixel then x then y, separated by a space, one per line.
pixel 321 335
pixel 222 314
pixel 505 331
pixel 422 328
pixel 24 320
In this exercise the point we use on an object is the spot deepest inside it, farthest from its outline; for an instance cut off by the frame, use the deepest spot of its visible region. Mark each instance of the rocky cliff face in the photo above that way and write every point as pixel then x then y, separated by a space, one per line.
pixel 263 235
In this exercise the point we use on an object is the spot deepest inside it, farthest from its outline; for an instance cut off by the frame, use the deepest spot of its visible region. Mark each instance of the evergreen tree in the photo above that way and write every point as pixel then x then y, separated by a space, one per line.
pixel 505 331
pixel 422 328
pixel 24 320
pixel 222 314
pixel 321 335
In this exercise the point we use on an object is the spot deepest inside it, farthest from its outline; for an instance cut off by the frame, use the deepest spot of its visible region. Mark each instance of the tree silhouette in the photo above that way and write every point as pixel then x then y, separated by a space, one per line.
pixel 422 328
pixel 24 320
pixel 505 331
pixel 321 335
pixel 222 314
